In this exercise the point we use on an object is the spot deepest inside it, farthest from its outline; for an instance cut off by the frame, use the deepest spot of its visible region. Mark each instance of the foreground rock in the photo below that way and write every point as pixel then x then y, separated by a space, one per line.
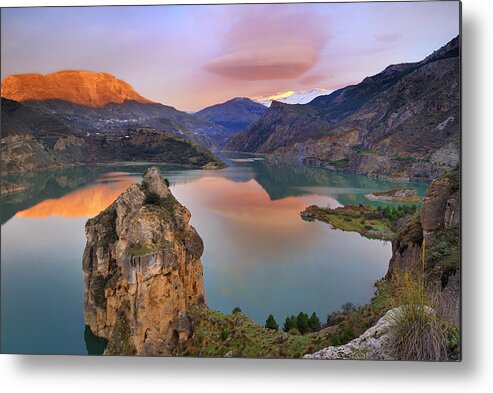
pixel 142 271
pixel 373 344
pixel 376 343
pixel 397 195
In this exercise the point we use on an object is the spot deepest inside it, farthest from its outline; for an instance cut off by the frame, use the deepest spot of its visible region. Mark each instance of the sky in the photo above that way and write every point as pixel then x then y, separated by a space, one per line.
pixel 194 56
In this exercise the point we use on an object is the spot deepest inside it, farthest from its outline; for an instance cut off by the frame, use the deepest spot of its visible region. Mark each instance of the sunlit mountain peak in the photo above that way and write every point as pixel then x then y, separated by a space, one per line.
pixel 292 96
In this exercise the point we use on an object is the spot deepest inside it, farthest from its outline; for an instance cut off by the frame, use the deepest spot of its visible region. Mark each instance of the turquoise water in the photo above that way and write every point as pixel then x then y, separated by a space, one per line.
pixel 259 254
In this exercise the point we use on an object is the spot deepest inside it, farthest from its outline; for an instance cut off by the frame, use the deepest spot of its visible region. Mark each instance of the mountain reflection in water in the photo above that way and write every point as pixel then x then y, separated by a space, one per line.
pixel 85 202
pixel 259 254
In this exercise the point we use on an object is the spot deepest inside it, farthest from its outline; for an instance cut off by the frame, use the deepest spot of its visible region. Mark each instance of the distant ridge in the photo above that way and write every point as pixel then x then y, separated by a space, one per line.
pixel 92 89
pixel 232 116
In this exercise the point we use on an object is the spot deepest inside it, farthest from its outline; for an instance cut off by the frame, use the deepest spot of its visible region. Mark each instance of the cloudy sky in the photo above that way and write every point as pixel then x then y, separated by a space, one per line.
pixel 194 56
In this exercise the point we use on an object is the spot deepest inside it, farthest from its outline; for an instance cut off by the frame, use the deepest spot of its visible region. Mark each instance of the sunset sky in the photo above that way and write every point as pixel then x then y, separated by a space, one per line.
pixel 193 56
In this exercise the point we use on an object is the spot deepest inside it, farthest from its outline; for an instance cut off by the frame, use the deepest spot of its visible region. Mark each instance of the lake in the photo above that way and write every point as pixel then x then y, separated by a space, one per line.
pixel 259 254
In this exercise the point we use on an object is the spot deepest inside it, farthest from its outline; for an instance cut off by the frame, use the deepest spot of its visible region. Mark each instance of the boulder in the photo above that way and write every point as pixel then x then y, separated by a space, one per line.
pixel 376 343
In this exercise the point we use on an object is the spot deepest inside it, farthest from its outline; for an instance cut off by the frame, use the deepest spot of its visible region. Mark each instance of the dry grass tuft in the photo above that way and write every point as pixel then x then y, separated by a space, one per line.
pixel 419 334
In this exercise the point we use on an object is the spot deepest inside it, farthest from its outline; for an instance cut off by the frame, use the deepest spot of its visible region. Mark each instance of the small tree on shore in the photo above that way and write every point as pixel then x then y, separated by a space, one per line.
pixel 271 323
pixel 314 323
pixel 302 322
pixel 289 323
pixel 348 307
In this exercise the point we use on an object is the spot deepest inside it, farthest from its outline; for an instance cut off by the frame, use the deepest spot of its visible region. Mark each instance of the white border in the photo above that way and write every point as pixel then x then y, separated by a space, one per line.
pixel 89 374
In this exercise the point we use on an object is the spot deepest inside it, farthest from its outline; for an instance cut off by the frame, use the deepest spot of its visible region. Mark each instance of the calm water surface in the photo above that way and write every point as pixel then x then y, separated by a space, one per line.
pixel 259 254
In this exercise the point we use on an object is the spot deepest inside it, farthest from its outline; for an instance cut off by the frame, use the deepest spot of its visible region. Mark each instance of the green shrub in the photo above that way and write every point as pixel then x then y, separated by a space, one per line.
pixel 348 307
pixel 135 251
pixel 236 310
pixel 453 340
pixel 294 331
pixel 153 199
pixel 98 286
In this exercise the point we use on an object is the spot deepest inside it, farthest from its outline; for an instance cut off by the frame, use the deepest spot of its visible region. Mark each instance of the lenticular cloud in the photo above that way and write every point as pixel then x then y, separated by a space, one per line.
pixel 264 44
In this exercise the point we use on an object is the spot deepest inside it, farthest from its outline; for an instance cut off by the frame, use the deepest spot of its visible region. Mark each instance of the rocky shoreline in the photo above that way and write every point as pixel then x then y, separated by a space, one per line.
pixel 404 195
pixel 144 291
pixel 418 244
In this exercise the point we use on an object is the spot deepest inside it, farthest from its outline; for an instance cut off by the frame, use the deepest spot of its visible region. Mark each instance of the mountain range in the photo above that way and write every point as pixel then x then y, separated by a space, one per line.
pixel 402 123
pixel 34 139
pixel 101 103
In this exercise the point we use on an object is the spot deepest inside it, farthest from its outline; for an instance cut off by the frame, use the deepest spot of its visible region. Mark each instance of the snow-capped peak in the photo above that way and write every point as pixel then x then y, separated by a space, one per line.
pixel 292 96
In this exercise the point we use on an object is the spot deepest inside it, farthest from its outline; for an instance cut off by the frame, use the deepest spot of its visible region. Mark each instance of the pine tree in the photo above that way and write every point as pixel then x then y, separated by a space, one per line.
pixel 314 323
pixel 302 322
pixel 289 323
pixel 271 323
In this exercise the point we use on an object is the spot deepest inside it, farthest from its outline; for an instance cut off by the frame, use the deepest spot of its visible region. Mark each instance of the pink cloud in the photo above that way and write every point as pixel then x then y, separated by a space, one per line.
pixel 264 44
pixel 314 78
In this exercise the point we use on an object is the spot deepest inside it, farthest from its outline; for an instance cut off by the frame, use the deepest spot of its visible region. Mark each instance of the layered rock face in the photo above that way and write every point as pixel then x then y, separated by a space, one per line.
pixel 142 271
pixel 440 212
pixel 437 228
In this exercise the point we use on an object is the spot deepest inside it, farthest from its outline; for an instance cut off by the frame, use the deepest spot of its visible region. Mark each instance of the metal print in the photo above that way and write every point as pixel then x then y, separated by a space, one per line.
pixel 257 181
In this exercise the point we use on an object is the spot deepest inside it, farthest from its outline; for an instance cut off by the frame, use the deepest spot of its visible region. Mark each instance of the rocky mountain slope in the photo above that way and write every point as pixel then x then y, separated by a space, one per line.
pixel 93 89
pixel 98 102
pixel 403 122
pixel 142 271
pixel 33 140
pixel 233 116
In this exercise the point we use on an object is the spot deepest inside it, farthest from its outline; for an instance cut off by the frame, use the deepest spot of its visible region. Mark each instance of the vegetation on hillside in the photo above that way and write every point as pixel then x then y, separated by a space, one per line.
pixel 372 222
